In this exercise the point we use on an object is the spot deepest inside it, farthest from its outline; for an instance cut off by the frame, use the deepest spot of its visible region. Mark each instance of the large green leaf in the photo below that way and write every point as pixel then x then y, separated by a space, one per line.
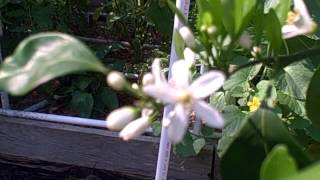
pixel 313 99
pixel 310 173
pixel 43 57
pixel 237 14
pixel 274 132
pixel 235 119
pixel 278 164
pixel 273 31
pixel 294 79
pixel 256 138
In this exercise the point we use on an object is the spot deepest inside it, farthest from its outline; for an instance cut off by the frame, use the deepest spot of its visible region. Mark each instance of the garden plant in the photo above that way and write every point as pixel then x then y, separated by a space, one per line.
pixel 260 87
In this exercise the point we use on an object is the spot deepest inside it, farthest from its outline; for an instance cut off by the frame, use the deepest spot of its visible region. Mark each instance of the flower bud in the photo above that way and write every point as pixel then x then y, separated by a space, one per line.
pixel 189 56
pixel 135 86
pixel 187 36
pixel 148 79
pixel 134 128
pixel 119 118
pixel 116 80
pixel 256 51
pixel 212 30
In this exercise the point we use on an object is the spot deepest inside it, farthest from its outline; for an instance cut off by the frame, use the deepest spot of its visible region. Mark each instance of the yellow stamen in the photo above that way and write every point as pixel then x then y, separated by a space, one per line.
pixel 184 97
pixel 254 104
pixel 293 16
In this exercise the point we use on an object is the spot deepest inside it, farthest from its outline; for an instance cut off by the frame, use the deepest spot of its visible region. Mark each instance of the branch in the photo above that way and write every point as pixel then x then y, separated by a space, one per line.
pixel 281 61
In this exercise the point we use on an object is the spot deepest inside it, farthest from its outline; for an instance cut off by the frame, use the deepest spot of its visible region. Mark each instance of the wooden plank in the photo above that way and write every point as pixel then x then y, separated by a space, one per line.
pixel 93 148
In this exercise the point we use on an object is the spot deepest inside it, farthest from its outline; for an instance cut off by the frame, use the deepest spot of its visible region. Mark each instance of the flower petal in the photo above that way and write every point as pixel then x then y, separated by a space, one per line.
pixel 164 92
pixel 208 114
pixel 207 84
pixel 156 71
pixel 180 74
pixel 178 125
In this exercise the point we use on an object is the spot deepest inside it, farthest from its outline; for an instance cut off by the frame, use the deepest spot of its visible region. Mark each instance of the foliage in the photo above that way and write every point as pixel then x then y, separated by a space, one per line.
pixel 246 40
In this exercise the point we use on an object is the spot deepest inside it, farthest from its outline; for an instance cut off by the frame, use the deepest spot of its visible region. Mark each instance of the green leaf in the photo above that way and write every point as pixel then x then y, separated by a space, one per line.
pixel 162 17
pixel 82 103
pixel 274 132
pixel 292 103
pixel 294 79
pixel 257 136
pixel 179 44
pixel 241 78
pixel 278 164
pixel 235 120
pixel 43 57
pixel 156 128
pixel 281 7
pixel 190 145
pixel 313 99
pixel 108 97
pixel 310 173
pixel 237 14
pixel 273 31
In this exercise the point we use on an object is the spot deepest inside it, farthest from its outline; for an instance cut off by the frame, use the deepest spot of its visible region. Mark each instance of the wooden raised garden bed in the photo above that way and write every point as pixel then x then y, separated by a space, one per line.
pixel 92 148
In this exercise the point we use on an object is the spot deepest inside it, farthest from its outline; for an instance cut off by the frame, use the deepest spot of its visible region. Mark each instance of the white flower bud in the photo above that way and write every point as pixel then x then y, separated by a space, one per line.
pixel 116 80
pixel 134 128
pixel 148 79
pixel 211 30
pixel 119 118
pixel 187 36
pixel 189 56
pixel 135 86
pixel 256 51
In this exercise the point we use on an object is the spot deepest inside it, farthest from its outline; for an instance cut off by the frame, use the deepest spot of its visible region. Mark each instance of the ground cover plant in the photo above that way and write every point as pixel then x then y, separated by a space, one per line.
pixel 261 80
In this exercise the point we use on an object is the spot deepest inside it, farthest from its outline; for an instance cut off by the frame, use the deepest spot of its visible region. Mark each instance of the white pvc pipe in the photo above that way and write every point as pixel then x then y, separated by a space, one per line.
pixel 165 144
pixel 53 118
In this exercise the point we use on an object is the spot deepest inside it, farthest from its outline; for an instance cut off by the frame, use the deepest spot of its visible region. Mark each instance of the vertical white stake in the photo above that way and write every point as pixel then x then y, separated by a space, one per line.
pixel 165 144
pixel 4 96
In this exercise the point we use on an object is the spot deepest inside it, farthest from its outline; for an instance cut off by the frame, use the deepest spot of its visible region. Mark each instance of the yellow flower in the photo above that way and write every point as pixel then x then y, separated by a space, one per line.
pixel 254 104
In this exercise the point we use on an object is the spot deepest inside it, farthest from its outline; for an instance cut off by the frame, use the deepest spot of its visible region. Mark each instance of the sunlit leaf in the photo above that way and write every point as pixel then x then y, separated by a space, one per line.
pixel 278 164
pixel 43 57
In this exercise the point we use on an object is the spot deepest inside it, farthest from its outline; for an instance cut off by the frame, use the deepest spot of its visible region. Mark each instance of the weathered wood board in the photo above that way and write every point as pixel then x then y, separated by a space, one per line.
pixel 93 148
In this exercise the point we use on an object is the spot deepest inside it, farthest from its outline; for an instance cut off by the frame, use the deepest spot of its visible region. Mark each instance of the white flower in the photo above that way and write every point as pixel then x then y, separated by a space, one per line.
pixel 118 118
pixel 136 127
pixel 299 21
pixel 189 56
pixel 116 80
pixel 187 36
pixel 184 97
